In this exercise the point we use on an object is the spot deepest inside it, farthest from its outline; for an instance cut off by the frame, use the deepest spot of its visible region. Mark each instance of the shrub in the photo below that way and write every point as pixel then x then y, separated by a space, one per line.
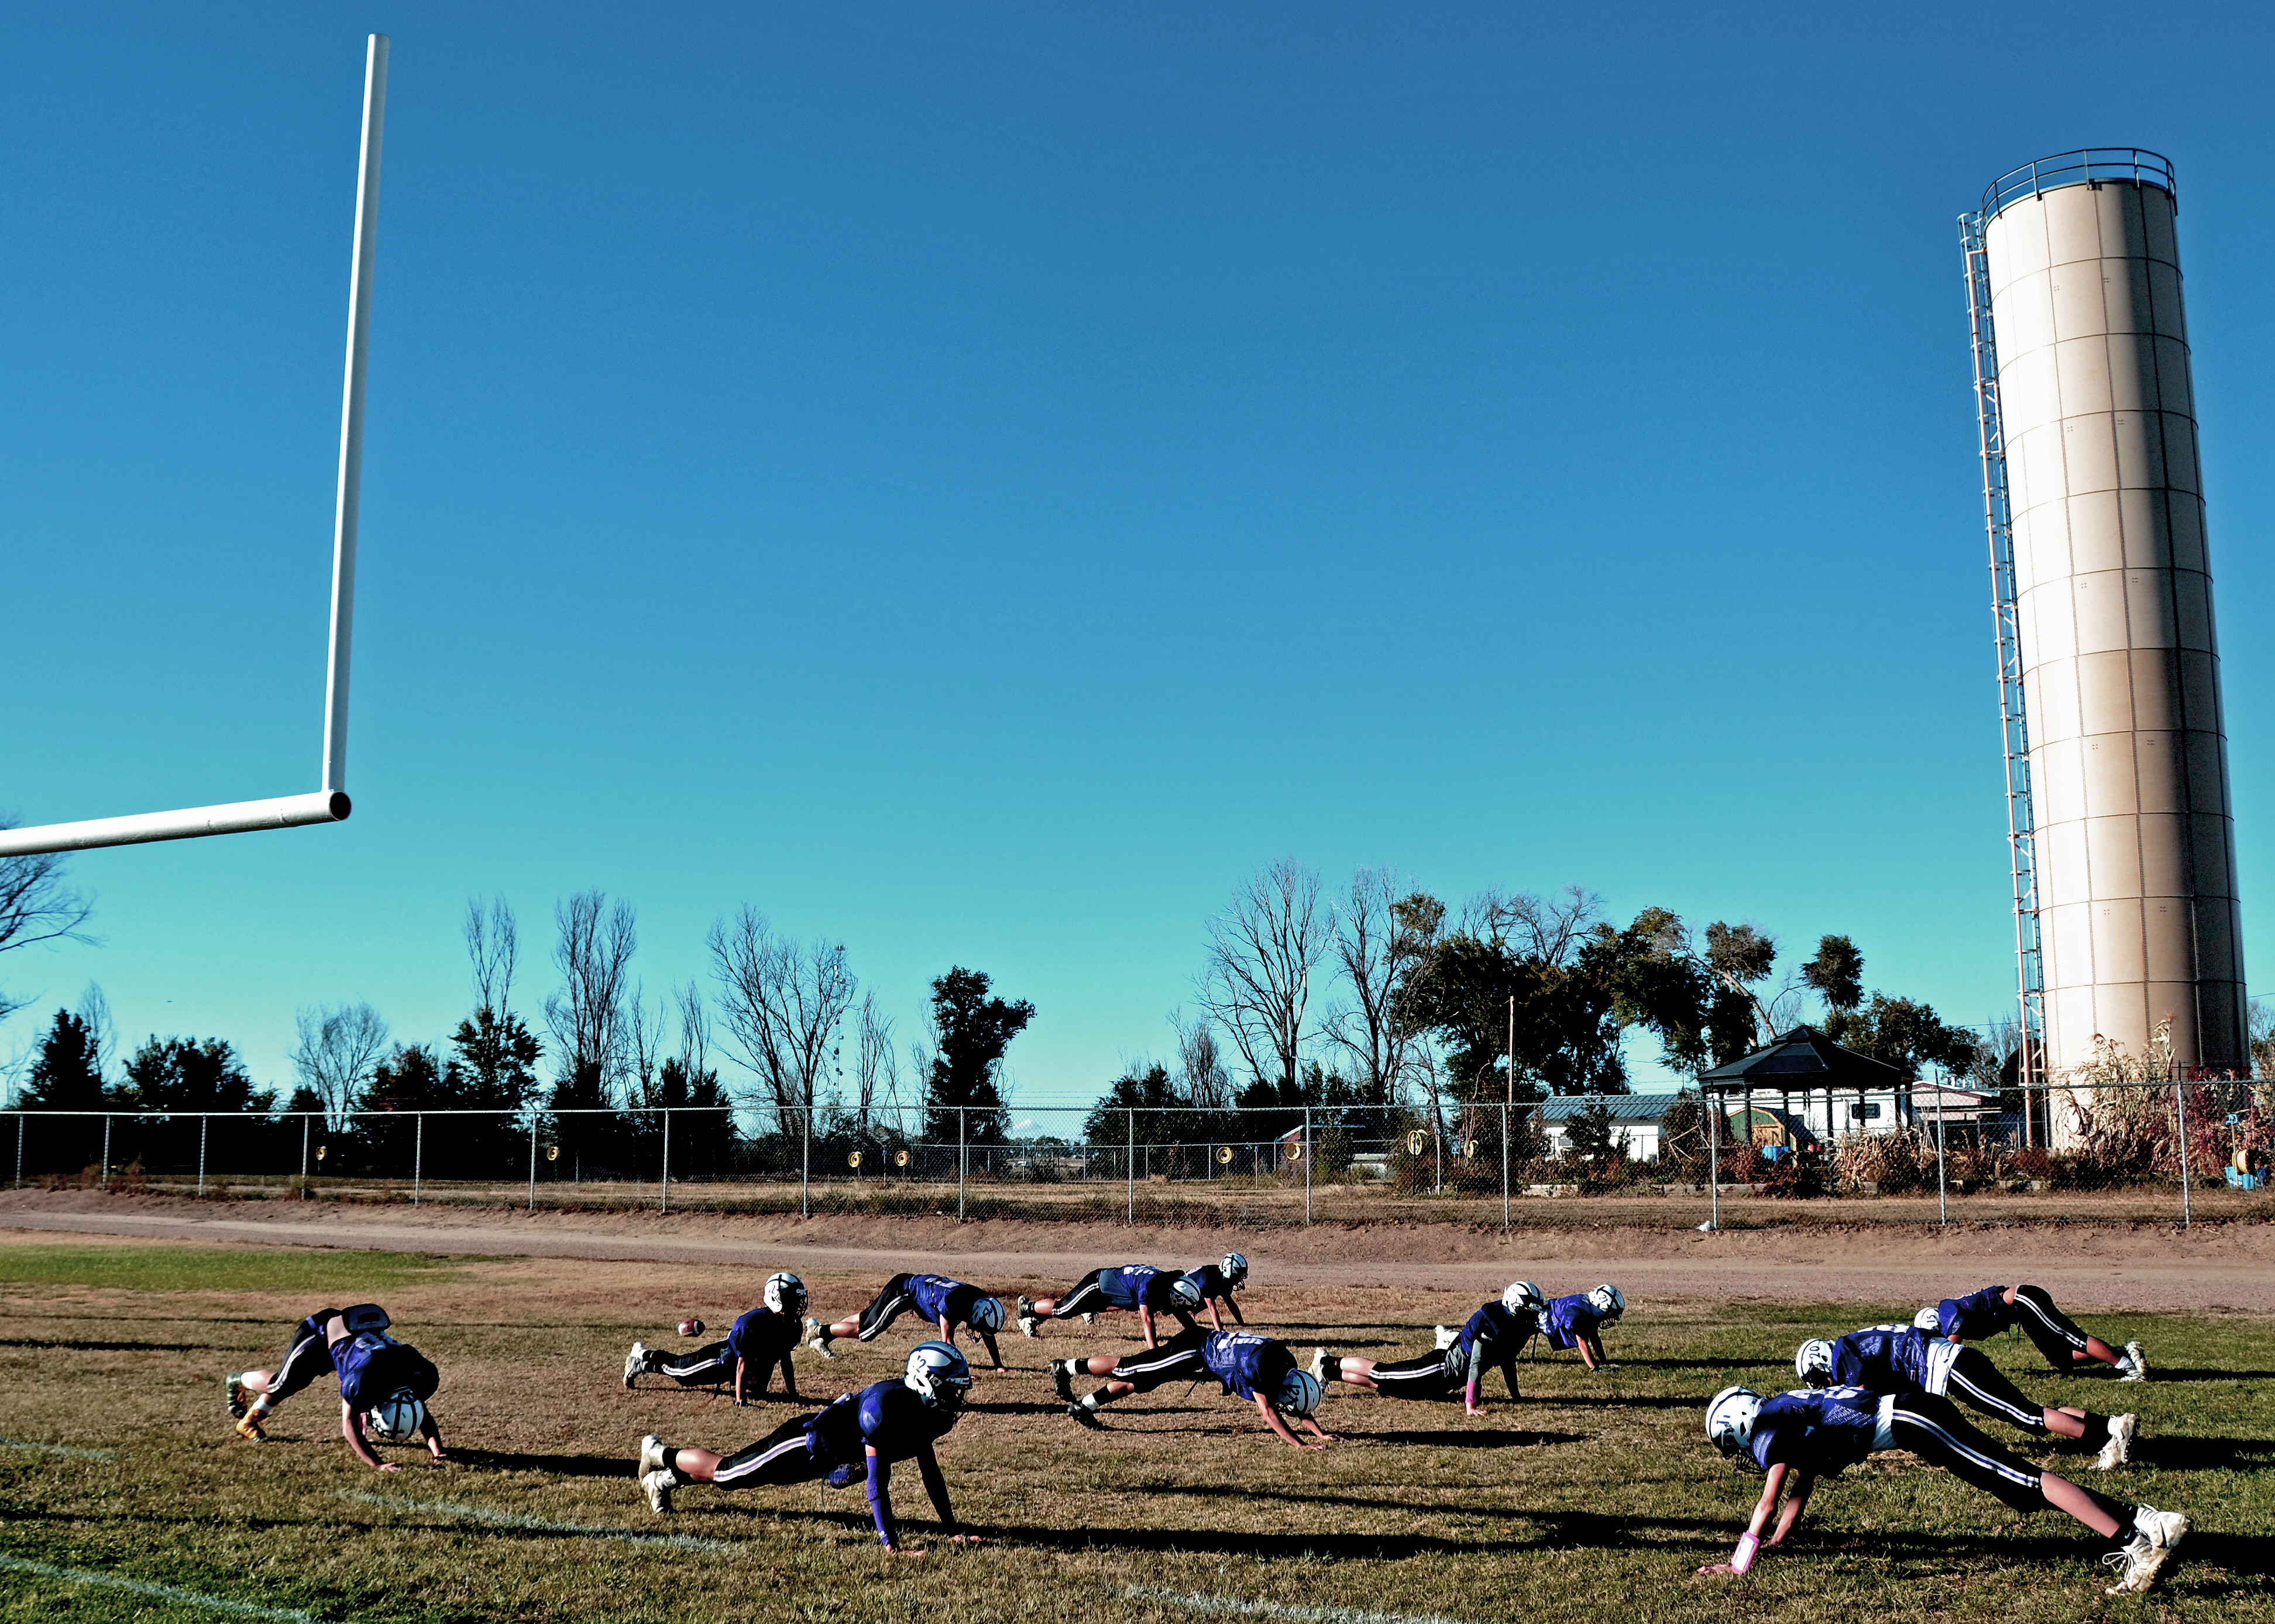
pixel 1893 1163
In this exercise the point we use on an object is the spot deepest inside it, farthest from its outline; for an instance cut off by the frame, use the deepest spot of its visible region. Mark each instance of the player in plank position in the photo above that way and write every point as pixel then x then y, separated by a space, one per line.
pixel 1798 1438
pixel 1580 1321
pixel 1904 1359
pixel 1257 1368
pixel 384 1384
pixel 1491 1340
pixel 1216 1283
pixel 1991 1310
pixel 759 1341
pixel 946 1302
pixel 897 1419
pixel 1135 1288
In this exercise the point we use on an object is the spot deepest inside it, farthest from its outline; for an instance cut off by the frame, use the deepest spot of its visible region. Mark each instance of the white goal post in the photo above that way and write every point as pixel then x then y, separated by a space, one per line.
pixel 328 804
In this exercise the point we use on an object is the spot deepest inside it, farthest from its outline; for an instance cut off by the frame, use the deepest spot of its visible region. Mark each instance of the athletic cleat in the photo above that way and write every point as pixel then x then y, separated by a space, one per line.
pixel 1062 1378
pixel 650 1455
pixel 1446 1339
pixel 1320 1364
pixel 1086 1415
pixel 249 1427
pixel 817 1337
pixel 1030 1322
pixel 2118 1449
pixel 237 1402
pixel 635 1362
pixel 1090 1320
pixel 658 1487
pixel 2155 1534
pixel 2135 1367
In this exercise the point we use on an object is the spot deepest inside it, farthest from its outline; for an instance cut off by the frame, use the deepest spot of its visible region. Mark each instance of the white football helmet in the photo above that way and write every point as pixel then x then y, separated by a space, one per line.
pixel 1929 1319
pixel 988 1314
pixel 1299 1393
pixel 1234 1268
pixel 1185 1293
pixel 1813 1361
pixel 395 1419
pixel 1730 1419
pixel 785 1294
pixel 938 1374
pixel 1609 1302
pixel 1523 1295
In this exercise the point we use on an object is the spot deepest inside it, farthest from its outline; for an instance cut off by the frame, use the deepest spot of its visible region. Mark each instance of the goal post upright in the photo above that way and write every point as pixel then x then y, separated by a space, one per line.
pixel 330 804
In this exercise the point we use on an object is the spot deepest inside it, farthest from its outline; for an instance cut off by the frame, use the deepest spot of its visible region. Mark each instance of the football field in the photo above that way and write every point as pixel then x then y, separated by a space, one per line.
pixel 126 1494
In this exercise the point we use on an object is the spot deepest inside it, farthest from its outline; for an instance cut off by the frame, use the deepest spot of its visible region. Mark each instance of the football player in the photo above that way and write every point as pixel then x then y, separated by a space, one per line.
pixel 1216 1283
pixel 1491 1340
pixel 897 1419
pixel 1580 1321
pixel 1982 1313
pixel 1134 1288
pixel 1257 1368
pixel 384 1384
pixel 1904 1359
pixel 946 1302
pixel 1798 1438
pixel 252 1394
pixel 757 1342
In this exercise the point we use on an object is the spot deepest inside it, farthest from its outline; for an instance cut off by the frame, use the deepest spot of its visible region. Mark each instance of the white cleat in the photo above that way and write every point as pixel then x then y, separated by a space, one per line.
pixel 658 1487
pixel 1318 1365
pixel 2135 1367
pixel 650 1455
pixel 1030 1322
pixel 1446 1339
pixel 817 1337
pixel 2155 1534
pixel 2118 1449
pixel 635 1362
pixel 1090 1320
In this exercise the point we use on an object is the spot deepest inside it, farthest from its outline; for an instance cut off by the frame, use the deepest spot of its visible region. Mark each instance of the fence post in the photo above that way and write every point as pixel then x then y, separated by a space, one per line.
pixel 666 1207
pixel 20 1147
pixel 805 1163
pixel 1504 1168
pixel 418 1155
pixel 1130 1167
pixel 106 1150
pixel 1307 1159
pixel 1708 1120
pixel 1942 1202
pixel 304 1150
pixel 533 1162
pixel 2180 1099
pixel 963 1139
pixel 203 1121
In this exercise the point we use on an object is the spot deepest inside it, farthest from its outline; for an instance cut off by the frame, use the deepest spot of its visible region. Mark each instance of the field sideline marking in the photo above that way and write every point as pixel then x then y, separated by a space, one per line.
pixel 162 1592
pixel 1277 1610
pixel 514 1519
pixel 61 1449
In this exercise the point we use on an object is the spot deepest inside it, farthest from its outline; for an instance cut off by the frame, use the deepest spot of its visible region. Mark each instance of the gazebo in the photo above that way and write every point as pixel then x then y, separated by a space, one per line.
pixel 1806 1062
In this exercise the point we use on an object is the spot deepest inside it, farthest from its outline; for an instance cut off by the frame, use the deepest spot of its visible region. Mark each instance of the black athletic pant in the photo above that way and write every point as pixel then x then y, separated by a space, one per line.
pixel 1178 1358
pixel 1932 1428
pixel 1084 1297
pixel 707 1367
pixel 779 1458
pixel 1977 1383
pixel 1422 1378
pixel 2056 1334
pixel 888 1305
pixel 308 1357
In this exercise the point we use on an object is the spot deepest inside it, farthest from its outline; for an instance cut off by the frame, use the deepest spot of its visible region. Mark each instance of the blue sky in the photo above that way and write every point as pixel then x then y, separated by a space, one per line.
pixel 976 481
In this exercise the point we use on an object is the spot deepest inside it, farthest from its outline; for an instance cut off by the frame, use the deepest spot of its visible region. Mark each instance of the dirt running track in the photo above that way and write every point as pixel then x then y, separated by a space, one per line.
pixel 2218 1266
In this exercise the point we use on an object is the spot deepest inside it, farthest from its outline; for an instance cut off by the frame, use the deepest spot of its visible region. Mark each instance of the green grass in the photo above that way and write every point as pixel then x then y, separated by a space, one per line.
pixel 1594 1496
pixel 259 1270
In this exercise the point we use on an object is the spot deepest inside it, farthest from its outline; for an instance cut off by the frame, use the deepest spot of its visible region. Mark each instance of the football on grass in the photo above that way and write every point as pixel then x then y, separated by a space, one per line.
pixel 690 1327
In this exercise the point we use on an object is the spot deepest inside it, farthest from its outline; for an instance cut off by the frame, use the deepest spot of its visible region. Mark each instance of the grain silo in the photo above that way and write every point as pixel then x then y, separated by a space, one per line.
pixel 2124 846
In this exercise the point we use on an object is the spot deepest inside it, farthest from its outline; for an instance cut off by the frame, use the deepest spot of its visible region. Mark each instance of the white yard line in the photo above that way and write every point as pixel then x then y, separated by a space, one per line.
pixel 538 1525
pixel 64 1450
pixel 1245 1608
pixel 156 1592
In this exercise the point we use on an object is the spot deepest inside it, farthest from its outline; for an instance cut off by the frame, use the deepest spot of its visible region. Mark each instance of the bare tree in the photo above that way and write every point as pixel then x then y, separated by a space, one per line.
pixel 1375 947
pixel 589 1014
pixel 876 1067
pixel 94 1009
pixel 647 1034
pixel 694 1030
pixel 1256 984
pixel 493 945
pixel 1201 1076
pixel 1547 929
pixel 340 1046
pixel 782 1004
pixel 36 906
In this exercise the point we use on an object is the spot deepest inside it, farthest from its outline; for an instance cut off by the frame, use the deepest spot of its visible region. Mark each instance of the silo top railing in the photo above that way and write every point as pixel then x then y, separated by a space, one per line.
pixel 2076 168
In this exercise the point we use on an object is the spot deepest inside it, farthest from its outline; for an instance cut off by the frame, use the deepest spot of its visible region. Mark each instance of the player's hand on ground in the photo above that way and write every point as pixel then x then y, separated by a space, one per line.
pixel 905 1550
pixel 1473 1409
pixel 1715 1569
pixel 389 1466
pixel 965 1539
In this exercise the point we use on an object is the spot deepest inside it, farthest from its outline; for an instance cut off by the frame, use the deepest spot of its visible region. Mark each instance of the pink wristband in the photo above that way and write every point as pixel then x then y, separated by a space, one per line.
pixel 1744 1558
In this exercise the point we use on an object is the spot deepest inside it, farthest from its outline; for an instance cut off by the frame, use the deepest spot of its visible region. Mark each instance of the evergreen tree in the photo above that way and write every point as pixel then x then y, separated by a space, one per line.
pixel 971 1030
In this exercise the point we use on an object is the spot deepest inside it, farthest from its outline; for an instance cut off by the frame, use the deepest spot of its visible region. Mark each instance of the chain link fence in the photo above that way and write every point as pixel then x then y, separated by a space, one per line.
pixel 2154 1153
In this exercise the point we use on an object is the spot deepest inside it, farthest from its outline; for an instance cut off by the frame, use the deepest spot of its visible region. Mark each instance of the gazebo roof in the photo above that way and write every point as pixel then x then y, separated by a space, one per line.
pixel 1804 1057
